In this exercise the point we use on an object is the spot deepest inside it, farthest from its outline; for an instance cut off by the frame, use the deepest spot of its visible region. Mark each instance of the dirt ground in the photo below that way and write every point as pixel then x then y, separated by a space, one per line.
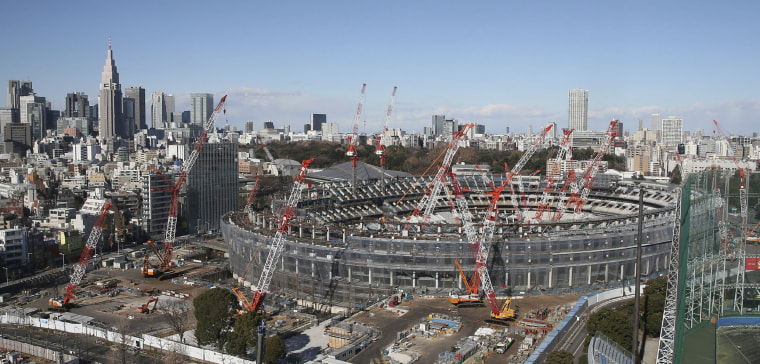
pixel 390 323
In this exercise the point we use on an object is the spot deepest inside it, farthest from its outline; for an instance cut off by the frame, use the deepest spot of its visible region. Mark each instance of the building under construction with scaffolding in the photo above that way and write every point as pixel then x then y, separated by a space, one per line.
pixel 350 245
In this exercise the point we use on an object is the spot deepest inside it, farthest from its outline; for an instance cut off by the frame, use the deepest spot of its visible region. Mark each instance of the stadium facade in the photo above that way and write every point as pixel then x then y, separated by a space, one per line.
pixel 345 249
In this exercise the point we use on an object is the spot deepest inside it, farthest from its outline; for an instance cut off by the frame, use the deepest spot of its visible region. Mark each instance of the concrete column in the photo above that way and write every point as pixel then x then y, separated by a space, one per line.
pixel 570 278
pixel 327 236
pixel 528 280
pixel 606 272
pixel 414 279
pixel 392 276
pixel 622 270
pixel 459 283
pixel 551 269
pixel 296 267
pixel 506 278
pixel 646 273
pixel 344 237
pixel 589 275
pixel 657 262
pixel 312 270
pixel 282 262
pixel 436 280
pixel 300 231
pixel 349 273
pixel 369 271
pixel 313 235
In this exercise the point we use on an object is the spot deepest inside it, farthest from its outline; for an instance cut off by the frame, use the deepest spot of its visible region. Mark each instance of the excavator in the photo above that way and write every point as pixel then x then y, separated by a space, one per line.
pixel 471 297
pixel 146 307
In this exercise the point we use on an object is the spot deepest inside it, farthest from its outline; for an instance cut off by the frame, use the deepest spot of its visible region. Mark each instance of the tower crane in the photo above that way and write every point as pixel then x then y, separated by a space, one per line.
pixel 252 195
pixel 578 198
pixel 155 270
pixel 275 250
pixel 518 168
pixel 427 203
pixel 472 240
pixel 84 259
pixel 562 153
pixel 382 140
pixel 353 140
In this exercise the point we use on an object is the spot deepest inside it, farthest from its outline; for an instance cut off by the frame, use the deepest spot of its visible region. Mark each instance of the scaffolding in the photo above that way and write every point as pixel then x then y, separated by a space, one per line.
pixel 706 261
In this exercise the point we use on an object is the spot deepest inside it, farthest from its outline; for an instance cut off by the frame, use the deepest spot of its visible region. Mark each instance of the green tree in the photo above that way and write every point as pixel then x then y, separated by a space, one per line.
pixel 675 176
pixel 274 349
pixel 616 325
pixel 214 310
pixel 559 357
pixel 654 305
pixel 243 334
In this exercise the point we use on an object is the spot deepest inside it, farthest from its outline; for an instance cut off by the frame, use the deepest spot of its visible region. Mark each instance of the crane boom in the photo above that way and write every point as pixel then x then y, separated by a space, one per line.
pixel 578 199
pixel 427 203
pixel 84 259
pixel 382 140
pixel 171 225
pixel 518 168
pixel 278 242
pixel 353 140
pixel 562 153
pixel 252 195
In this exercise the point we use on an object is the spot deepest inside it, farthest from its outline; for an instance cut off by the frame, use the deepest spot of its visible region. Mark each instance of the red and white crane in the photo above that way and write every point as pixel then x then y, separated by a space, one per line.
pixel 278 243
pixel 252 195
pixel 427 203
pixel 353 140
pixel 578 199
pixel 515 171
pixel 154 270
pixel 382 140
pixel 553 173
pixel 84 259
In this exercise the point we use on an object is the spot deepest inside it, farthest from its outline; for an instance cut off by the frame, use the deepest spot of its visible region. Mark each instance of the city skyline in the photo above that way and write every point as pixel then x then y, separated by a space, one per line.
pixel 501 65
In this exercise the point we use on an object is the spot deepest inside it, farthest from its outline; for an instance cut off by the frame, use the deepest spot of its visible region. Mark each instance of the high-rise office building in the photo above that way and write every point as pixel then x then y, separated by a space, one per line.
pixel 24 101
pixel 109 102
pixel 578 110
pixel 641 125
pixel 169 102
pixel 16 89
pixel 201 108
pixel 248 127
pixel 138 94
pixel 77 105
pixel 212 187
pixel 438 121
pixel 317 120
pixel 158 115
pixel 128 111
pixel 672 131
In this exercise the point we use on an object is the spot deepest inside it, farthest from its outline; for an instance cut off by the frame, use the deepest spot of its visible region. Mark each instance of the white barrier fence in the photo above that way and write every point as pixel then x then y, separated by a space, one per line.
pixel 140 342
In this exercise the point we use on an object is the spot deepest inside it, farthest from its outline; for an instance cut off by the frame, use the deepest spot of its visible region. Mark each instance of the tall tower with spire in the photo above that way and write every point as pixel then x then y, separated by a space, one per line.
pixel 110 101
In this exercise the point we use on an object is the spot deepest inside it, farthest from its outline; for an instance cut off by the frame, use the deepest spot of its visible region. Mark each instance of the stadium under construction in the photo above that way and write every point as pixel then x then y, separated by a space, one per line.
pixel 348 245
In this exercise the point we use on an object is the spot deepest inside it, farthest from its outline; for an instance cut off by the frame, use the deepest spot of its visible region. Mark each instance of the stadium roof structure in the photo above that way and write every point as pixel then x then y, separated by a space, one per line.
pixel 364 171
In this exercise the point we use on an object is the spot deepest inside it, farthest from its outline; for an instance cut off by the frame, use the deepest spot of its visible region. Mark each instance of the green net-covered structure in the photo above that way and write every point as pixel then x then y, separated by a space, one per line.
pixel 708 263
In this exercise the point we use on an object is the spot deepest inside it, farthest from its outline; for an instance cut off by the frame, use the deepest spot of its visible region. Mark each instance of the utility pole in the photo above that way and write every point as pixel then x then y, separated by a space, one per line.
pixel 637 294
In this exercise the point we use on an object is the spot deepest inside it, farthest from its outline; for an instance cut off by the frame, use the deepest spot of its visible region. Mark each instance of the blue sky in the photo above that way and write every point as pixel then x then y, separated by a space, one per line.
pixel 499 63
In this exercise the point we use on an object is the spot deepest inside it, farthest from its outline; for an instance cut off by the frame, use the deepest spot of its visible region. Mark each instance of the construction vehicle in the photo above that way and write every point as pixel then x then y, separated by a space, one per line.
pixel 252 195
pixel 146 307
pixel 84 260
pixel 275 250
pixel 164 255
pixel 502 346
pixel 471 297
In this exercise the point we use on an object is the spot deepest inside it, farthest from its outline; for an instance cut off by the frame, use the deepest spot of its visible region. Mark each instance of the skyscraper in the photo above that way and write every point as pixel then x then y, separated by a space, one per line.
pixel 201 107
pixel 157 110
pixel 109 102
pixel 16 89
pixel 672 131
pixel 212 187
pixel 578 110
pixel 77 105
pixel 438 121
pixel 317 120
pixel 138 94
